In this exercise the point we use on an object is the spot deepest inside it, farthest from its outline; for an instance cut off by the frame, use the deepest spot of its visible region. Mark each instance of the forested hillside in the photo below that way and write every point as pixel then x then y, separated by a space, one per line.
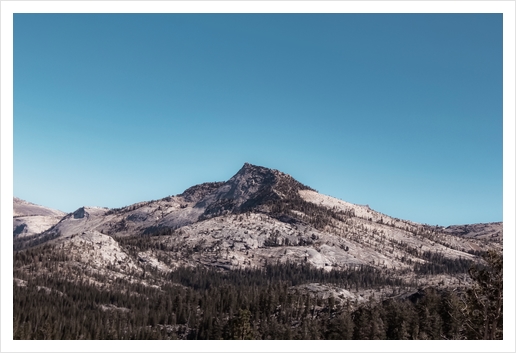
pixel 50 302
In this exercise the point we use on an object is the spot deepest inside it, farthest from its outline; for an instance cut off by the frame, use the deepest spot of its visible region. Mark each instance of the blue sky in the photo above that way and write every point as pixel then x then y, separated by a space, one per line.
pixel 399 111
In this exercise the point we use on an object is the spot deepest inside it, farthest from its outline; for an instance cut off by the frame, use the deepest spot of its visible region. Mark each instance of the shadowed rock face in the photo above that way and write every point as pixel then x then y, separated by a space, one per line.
pixel 80 213
pixel 197 192
pixel 19 229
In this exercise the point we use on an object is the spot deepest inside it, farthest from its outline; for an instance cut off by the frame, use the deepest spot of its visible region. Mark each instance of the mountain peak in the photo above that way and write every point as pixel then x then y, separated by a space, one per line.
pixel 254 173
pixel 252 168
pixel 251 187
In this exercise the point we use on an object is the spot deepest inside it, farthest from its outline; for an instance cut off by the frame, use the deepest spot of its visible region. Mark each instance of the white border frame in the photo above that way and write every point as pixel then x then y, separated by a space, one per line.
pixel 8 8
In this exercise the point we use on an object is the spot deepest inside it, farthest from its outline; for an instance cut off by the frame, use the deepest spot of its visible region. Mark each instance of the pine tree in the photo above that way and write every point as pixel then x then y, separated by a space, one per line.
pixel 242 327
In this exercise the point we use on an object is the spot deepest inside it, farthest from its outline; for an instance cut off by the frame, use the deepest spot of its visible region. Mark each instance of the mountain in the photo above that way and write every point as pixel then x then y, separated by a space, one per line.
pixel 262 214
pixel 30 219
pixel 260 229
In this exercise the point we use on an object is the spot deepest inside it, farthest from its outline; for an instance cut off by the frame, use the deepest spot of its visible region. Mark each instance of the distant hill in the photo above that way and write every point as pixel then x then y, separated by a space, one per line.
pixel 30 219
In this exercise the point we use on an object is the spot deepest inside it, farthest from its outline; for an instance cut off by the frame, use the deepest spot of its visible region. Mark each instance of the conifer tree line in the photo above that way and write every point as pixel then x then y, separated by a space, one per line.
pixel 53 299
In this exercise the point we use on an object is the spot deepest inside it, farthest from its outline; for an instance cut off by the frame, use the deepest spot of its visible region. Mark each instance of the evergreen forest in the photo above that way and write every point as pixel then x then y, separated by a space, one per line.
pixel 54 300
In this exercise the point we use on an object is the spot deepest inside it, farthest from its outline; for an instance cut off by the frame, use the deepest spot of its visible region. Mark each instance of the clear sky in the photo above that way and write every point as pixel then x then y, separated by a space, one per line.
pixel 399 111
